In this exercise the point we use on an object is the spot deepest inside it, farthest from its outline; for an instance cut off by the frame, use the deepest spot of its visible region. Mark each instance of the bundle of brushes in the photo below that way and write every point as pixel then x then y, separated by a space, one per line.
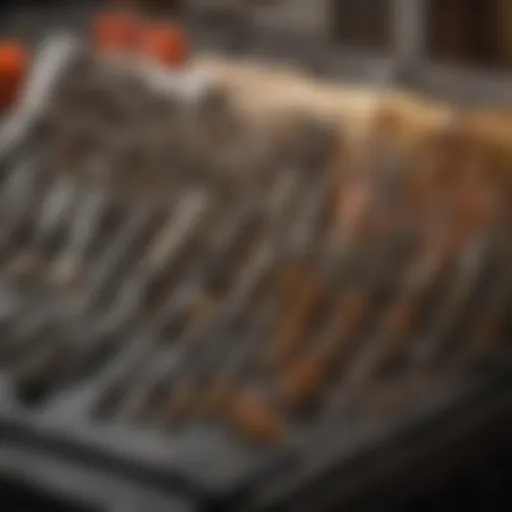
pixel 195 265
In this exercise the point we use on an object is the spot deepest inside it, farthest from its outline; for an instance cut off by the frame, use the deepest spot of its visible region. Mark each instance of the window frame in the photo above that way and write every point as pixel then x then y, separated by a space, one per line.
pixel 456 82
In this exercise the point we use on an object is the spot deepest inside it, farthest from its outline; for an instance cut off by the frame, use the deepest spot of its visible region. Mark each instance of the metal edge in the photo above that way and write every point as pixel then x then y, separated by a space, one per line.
pixel 54 55
pixel 203 461
pixel 81 485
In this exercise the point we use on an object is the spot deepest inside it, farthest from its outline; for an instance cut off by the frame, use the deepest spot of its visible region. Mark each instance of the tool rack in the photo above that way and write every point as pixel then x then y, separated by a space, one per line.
pixel 117 468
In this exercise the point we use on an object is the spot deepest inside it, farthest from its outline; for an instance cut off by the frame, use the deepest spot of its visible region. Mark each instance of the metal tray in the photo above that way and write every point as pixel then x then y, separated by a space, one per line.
pixel 343 460
pixel 52 483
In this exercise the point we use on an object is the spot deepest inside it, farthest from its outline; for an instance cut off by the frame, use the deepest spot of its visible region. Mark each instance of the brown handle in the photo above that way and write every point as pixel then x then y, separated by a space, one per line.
pixel 252 417
pixel 296 318
pixel 396 327
pixel 303 380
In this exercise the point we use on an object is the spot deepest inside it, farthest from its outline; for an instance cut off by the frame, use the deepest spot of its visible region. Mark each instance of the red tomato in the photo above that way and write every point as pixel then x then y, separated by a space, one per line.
pixel 13 69
pixel 167 44
pixel 116 31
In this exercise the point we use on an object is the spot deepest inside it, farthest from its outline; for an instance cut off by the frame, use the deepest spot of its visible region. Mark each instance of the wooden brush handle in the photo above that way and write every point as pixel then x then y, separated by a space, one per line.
pixel 252 417
pixel 296 317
